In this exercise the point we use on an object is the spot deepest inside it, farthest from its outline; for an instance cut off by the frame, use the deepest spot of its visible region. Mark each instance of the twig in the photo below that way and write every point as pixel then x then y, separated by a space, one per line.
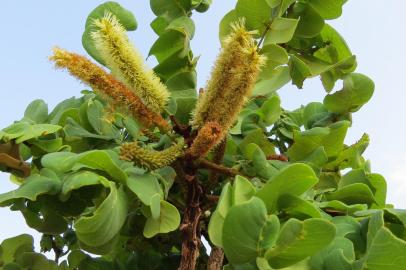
pixel 205 164
pixel 58 252
pixel 268 27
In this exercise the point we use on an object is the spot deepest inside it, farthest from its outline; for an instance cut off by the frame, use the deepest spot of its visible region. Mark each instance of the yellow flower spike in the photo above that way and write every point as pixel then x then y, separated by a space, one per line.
pixel 105 85
pixel 127 64
pixel 232 80
pixel 209 135
pixel 149 158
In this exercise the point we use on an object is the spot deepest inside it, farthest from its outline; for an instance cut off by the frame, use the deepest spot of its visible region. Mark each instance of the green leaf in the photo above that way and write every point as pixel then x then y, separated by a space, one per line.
pixel 37 111
pixel 159 25
pixel 275 56
pixel 258 138
pixel 285 4
pixel 125 17
pixel 340 207
pixel 386 252
pixel 294 180
pixel 74 131
pixel 256 12
pixel 330 35
pixel 299 71
pixel 248 231
pixel 331 138
pixel 300 239
pixel 168 44
pixel 170 8
pixel 351 157
pixel 353 194
pixel 40 147
pixel 310 23
pixel 184 25
pixel 270 110
pixel 182 81
pixel 295 207
pixel 226 22
pixel 313 112
pixel 204 6
pixel 328 9
pixel 338 255
pixel 79 180
pixel 36 261
pixel 145 186
pixel 106 221
pixel 375 182
pixel 263 264
pixel 272 82
pixel 185 106
pixel 174 64
pixel 183 93
pixel 33 186
pixel 168 221
pixel 376 222
pixel 243 190
pixel 59 162
pixel 13 247
pixel 23 131
pixel 260 164
pixel 322 66
pixel 273 3
pixel 216 223
pixel 167 177
pixel 357 90
pixel 101 160
pixel 281 31
pixel 95 115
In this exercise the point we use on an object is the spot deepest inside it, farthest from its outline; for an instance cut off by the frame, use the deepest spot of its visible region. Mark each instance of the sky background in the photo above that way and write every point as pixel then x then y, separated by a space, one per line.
pixel 373 29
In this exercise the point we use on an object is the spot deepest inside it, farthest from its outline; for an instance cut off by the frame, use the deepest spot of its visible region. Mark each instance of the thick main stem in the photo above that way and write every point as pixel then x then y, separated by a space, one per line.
pixel 216 259
pixel 191 218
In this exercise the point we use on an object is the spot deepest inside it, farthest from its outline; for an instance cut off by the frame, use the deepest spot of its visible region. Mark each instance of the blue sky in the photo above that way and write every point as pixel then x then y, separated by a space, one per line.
pixel 373 29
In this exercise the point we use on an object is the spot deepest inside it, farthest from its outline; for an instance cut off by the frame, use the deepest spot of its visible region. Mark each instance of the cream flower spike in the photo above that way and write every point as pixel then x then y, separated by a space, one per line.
pixel 126 63
pixel 232 80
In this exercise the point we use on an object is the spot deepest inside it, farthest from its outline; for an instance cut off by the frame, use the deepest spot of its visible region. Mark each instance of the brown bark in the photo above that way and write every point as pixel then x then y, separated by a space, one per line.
pixel 216 259
pixel 10 158
pixel 190 226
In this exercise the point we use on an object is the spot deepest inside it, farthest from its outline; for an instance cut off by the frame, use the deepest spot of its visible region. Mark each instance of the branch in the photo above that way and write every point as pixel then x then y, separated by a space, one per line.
pixel 217 159
pixel 10 158
pixel 216 259
pixel 205 164
pixel 190 227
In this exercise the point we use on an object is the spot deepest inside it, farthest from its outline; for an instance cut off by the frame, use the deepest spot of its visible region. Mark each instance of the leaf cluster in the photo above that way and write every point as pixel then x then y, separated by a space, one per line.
pixel 282 191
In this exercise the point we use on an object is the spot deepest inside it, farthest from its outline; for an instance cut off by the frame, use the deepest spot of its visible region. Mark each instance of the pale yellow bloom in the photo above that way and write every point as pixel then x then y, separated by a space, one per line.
pixel 232 80
pixel 127 64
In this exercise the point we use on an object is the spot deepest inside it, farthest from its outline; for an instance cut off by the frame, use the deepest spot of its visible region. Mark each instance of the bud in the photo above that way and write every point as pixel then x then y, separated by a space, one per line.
pixel 127 64
pixel 117 94
pixel 150 158
pixel 209 135
pixel 232 80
